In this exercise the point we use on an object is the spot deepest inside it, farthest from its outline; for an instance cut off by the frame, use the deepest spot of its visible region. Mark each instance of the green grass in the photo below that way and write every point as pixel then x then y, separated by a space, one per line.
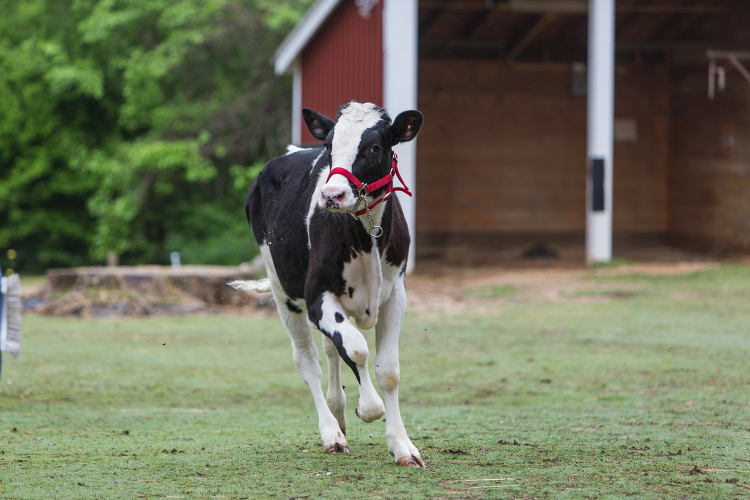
pixel 642 396
pixel 491 291
pixel 32 281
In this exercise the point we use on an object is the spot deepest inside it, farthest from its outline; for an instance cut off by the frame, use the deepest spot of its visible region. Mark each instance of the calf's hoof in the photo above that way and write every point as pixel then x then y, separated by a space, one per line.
pixel 337 448
pixel 411 461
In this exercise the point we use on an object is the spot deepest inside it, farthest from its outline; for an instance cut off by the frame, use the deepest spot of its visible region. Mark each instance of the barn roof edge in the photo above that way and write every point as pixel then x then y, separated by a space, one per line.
pixel 297 39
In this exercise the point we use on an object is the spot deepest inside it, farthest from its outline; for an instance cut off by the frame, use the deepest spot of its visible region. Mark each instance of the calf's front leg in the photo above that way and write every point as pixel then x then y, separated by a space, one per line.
pixel 327 314
pixel 387 371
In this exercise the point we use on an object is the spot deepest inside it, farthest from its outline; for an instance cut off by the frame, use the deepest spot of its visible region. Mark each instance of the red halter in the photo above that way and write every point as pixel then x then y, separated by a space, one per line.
pixel 365 189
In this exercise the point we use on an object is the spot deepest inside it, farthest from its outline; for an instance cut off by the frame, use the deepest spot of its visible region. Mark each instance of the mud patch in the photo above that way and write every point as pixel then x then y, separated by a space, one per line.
pixel 456 288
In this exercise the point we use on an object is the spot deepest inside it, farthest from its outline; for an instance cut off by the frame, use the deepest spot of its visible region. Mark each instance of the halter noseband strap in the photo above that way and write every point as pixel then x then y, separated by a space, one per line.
pixel 365 189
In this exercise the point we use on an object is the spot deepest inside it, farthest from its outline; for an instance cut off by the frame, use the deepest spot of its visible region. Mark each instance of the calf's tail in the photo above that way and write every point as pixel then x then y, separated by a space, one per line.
pixel 259 286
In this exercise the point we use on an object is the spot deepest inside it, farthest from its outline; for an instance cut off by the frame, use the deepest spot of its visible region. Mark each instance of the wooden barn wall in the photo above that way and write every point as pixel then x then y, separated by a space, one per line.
pixel 343 62
pixel 503 151
pixel 709 183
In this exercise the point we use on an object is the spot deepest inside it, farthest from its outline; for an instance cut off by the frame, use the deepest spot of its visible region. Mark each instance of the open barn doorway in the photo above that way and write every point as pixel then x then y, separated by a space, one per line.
pixel 502 164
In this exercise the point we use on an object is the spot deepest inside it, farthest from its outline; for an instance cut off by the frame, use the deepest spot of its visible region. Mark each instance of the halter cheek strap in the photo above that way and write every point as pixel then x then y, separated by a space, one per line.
pixel 364 189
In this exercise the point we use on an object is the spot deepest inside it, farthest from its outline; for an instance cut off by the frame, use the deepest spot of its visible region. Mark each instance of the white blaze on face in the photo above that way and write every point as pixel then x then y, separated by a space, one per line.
pixel 353 122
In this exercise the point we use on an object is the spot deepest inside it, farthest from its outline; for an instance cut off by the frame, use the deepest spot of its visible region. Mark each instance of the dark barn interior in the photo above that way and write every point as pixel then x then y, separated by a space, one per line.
pixel 502 162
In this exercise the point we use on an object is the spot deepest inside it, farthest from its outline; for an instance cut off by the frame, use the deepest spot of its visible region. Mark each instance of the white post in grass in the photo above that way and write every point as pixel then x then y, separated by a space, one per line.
pixel 601 110
pixel 400 93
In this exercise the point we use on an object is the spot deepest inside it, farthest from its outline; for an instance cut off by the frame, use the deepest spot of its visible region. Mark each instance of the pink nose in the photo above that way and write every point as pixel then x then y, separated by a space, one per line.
pixel 332 196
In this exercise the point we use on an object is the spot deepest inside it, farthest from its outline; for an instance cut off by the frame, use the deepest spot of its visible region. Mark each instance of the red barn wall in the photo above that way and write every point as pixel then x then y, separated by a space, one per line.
pixel 343 62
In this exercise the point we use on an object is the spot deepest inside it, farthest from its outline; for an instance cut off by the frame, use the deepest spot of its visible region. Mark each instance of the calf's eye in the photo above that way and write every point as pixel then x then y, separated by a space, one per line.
pixel 375 149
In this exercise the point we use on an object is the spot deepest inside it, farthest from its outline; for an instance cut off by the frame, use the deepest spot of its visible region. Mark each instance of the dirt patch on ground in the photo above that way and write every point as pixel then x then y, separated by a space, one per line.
pixel 453 288
pixel 461 274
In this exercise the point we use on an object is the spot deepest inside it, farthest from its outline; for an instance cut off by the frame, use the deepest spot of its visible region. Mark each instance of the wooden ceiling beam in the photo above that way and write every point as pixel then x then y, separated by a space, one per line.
pixel 645 27
pixel 488 20
pixel 429 21
pixel 435 13
pixel 673 9
pixel 577 5
pixel 681 28
pixel 530 36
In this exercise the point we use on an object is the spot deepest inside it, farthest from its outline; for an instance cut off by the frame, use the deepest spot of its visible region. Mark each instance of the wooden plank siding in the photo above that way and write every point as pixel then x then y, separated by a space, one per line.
pixel 709 183
pixel 343 62
pixel 504 151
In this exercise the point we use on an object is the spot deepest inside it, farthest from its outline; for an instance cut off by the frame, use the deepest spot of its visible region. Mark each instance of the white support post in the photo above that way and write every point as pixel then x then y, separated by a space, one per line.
pixel 601 107
pixel 400 92
pixel 297 103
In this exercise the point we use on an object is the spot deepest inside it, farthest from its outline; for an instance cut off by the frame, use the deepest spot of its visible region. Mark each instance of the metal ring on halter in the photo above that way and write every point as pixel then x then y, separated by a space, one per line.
pixel 377 230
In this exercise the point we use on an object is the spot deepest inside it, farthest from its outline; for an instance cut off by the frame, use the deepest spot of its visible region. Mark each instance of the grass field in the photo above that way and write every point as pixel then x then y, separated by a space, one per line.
pixel 641 390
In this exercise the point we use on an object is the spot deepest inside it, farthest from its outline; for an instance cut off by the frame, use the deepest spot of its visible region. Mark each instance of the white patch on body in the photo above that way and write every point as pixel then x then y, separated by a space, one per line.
pixel 294 149
pixel 363 274
pixel 391 278
pixel 316 160
pixel 314 201
pixel 273 278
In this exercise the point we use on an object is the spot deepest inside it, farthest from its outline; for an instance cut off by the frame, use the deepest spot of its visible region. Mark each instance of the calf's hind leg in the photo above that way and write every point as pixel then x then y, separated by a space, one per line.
pixel 387 372
pixel 335 396
pixel 305 354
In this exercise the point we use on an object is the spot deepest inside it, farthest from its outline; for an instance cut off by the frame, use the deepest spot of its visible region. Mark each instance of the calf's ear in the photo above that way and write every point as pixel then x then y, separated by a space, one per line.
pixel 405 127
pixel 318 125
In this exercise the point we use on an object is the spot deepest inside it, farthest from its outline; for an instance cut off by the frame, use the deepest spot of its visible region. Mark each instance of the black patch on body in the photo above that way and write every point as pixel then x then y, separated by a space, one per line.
pixel 276 208
pixel 315 313
pixel 337 341
pixel 293 306
pixel 395 240
pixel 339 317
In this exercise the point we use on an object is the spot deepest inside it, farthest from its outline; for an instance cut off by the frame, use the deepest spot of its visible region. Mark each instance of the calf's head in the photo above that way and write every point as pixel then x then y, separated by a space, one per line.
pixel 360 141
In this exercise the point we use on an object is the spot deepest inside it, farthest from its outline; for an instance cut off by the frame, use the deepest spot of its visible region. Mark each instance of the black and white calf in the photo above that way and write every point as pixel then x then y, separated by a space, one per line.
pixel 335 244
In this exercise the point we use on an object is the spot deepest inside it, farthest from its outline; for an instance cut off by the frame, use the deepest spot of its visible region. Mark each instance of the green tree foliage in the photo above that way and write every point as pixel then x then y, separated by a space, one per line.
pixel 135 126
